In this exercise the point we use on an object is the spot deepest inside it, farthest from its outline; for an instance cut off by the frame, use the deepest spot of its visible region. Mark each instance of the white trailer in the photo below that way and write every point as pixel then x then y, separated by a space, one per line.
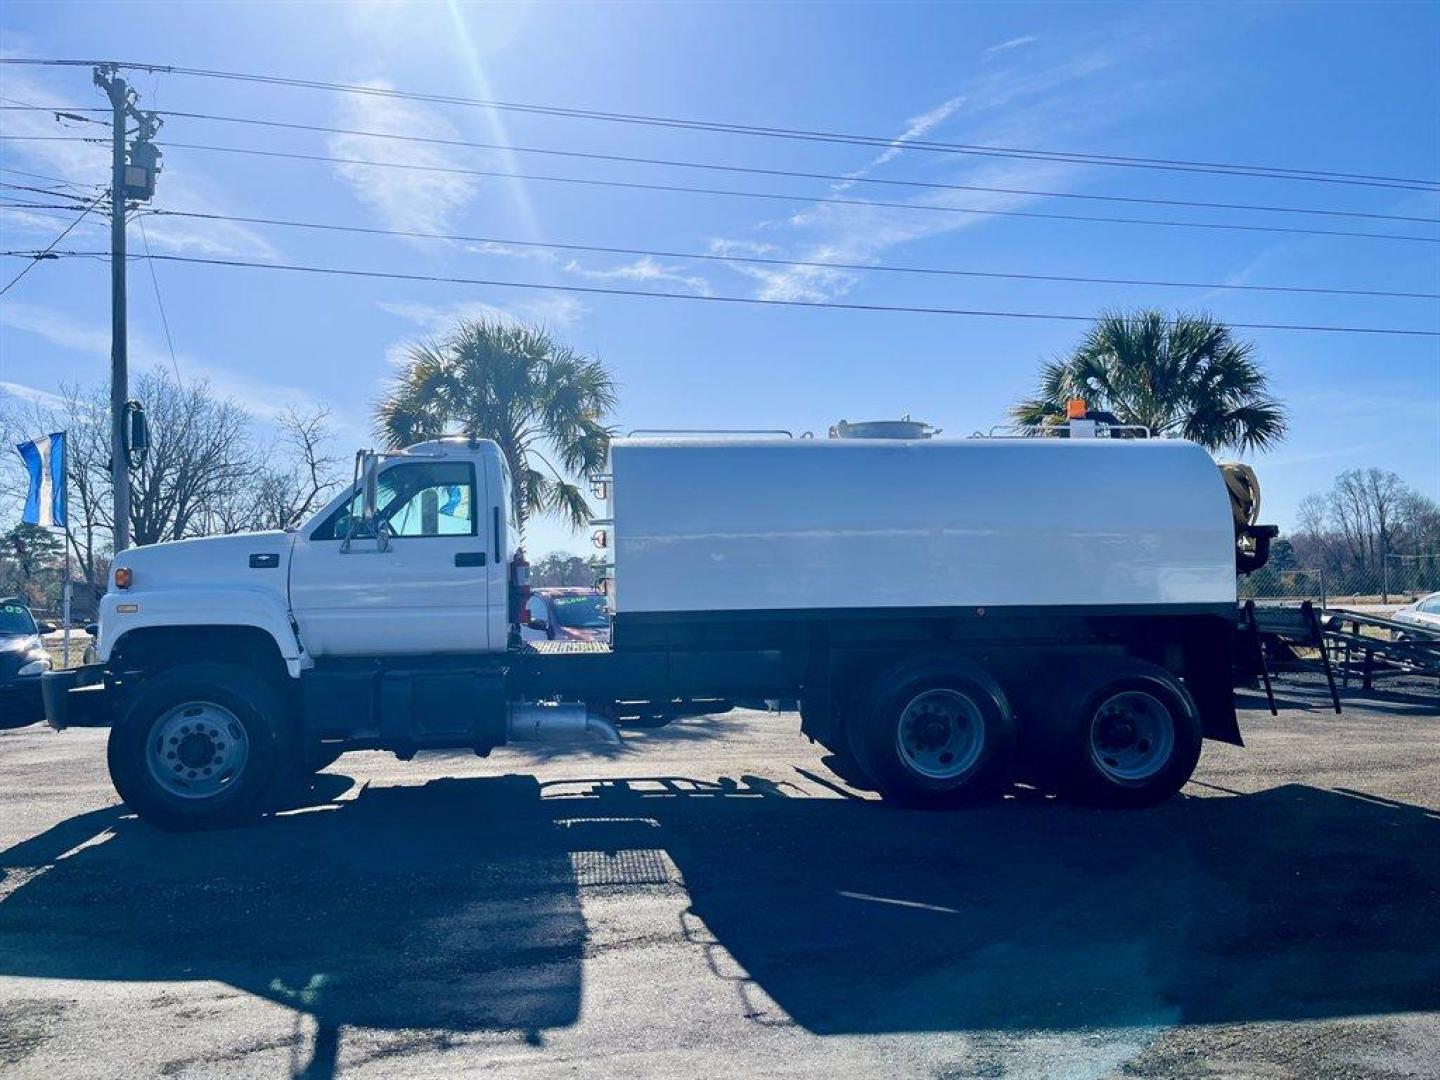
pixel 951 615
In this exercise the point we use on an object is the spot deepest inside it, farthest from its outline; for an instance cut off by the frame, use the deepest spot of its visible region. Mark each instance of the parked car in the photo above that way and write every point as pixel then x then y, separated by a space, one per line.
pixel 1424 613
pixel 567 614
pixel 22 661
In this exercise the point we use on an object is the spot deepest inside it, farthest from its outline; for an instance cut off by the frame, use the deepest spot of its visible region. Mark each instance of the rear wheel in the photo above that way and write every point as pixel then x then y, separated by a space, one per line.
pixel 934 733
pixel 1123 734
pixel 199 746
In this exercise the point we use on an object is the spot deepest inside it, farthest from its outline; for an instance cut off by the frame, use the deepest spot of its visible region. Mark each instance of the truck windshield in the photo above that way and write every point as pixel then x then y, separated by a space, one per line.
pixel 16 619
pixel 581 612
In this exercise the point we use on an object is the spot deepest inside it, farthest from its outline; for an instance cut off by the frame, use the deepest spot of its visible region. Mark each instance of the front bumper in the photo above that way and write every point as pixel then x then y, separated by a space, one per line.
pixel 77 697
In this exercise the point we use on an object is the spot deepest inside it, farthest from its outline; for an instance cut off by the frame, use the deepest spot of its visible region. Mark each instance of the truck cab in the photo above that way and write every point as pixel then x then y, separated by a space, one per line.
pixel 422 572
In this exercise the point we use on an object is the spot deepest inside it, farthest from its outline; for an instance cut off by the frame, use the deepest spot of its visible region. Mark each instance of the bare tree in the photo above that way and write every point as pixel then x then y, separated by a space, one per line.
pixel 283 495
pixel 1355 531
pixel 206 471
pixel 1364 504
pixel 200 450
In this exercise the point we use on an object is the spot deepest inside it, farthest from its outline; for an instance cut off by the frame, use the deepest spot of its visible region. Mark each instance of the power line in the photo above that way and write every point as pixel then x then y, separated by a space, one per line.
pixel 823 199
pixel 47 252
pixel 159 303
pixel 43 176
pixel 764 261
pixel 633 185
pixel 657 294
pixel 50 191
pixel 794 174
pixel 1083 158
pixel 44 206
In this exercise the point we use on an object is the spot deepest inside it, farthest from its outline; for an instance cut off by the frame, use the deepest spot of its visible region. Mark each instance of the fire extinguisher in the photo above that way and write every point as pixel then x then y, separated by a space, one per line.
pixel 520 588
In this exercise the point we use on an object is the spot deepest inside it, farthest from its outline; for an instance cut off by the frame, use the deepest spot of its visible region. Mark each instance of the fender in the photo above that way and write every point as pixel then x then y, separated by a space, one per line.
pixel 230 605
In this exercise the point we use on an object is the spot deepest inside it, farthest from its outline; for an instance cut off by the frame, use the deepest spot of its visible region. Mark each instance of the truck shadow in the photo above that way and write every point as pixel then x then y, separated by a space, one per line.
pixel 449 906
pixel 456 905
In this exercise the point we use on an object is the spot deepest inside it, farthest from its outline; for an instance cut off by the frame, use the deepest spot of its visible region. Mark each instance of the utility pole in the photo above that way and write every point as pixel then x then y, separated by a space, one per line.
pixel 119 342
pixel 132 175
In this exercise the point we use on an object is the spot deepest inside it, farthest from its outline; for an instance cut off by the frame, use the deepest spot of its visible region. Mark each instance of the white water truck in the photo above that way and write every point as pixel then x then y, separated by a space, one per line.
pixel 951 616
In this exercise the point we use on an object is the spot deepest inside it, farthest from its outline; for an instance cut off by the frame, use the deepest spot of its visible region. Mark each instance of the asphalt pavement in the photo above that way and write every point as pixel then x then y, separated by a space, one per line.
pixel 710 901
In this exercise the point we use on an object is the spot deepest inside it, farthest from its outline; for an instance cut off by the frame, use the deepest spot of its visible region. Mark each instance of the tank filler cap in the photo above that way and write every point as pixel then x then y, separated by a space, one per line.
pixel 904 428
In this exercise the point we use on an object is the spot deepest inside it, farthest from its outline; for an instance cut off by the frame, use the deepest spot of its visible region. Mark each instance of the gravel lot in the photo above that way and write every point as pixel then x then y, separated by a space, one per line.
pixel 710 901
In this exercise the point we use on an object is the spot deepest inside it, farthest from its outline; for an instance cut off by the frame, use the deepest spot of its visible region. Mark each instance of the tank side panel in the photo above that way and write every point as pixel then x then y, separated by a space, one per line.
pixel 829 524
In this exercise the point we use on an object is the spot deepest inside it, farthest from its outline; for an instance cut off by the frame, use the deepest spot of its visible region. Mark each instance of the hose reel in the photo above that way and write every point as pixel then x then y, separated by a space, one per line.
pixel 1252 541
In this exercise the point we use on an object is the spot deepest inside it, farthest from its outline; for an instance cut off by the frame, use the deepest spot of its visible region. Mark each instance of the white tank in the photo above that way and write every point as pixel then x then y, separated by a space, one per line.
pixel 716 525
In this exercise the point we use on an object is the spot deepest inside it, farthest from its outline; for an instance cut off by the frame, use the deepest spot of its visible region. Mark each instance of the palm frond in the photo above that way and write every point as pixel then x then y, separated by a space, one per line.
pixel 515 384
pixel 1185 375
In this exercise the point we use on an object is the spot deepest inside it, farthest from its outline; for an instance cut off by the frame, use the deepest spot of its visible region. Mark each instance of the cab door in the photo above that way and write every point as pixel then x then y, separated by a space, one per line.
pixel 425 591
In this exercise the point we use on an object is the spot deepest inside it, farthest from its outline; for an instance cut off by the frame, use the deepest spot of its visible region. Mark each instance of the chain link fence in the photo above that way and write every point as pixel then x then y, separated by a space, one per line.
pixel 1397 580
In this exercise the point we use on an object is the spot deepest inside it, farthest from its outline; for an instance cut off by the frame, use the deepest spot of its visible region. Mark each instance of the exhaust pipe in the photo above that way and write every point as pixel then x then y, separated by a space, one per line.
pixel 565 722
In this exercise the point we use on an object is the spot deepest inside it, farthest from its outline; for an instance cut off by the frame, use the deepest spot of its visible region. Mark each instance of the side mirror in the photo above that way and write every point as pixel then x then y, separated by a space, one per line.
pixel 370 488
pixel 46 627
pixel 93 629
pixel 540 624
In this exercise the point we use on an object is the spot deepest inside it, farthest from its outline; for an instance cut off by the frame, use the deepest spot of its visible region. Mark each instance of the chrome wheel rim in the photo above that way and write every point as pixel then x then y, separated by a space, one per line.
pixel 1132 736
pixel 197 749
pixel 941 734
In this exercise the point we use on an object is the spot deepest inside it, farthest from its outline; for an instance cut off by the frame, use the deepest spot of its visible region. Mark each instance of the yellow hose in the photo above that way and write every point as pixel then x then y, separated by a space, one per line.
pixel 1244 488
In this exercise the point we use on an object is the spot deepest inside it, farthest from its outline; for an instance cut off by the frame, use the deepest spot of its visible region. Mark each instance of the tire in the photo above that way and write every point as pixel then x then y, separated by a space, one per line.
pixel 1119 733
pixel 229 738
pixel 934 733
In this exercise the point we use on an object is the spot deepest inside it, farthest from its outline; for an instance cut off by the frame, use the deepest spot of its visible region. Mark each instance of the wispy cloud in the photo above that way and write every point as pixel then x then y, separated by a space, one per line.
pixel 917 127
pixel 645 270
pixel 511 251
pixel 999 108
pixel 410 199
pixel 32 394
pixel 723 245
pixel 46 225
pixel 258 397
pixel 558 310
pixel 1013 43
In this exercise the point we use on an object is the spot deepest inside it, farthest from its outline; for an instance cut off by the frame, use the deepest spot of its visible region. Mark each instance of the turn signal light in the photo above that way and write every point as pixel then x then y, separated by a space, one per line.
pixel 122 577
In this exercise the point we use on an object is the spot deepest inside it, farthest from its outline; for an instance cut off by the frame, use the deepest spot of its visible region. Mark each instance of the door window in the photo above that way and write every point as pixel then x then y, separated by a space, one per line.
pixel 416 499
pixel 429 500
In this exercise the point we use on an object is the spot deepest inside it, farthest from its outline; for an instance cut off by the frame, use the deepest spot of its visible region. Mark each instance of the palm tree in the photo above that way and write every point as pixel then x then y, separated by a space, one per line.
pixel 542 402
pixel 1186 376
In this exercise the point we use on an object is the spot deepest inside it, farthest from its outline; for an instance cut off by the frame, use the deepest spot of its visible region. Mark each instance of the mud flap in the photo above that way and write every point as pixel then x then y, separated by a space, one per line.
pixel 77 697
pixel 1209 676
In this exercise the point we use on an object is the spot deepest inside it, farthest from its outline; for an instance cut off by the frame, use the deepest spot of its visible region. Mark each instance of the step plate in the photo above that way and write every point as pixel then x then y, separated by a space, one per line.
pixel 563 648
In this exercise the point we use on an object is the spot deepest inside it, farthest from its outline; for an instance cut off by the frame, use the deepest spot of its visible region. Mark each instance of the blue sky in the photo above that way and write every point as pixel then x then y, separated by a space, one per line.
pixel 1349 87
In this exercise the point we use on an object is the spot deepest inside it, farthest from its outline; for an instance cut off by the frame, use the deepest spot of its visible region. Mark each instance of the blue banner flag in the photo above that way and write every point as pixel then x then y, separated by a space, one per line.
pixel 45 504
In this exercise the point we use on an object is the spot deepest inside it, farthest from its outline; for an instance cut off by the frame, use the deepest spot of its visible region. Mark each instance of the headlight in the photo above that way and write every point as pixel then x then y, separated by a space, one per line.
pixel 35 667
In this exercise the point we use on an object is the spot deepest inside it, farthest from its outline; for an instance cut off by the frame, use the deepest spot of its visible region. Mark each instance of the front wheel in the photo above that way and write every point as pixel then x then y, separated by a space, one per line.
pixel 199 746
